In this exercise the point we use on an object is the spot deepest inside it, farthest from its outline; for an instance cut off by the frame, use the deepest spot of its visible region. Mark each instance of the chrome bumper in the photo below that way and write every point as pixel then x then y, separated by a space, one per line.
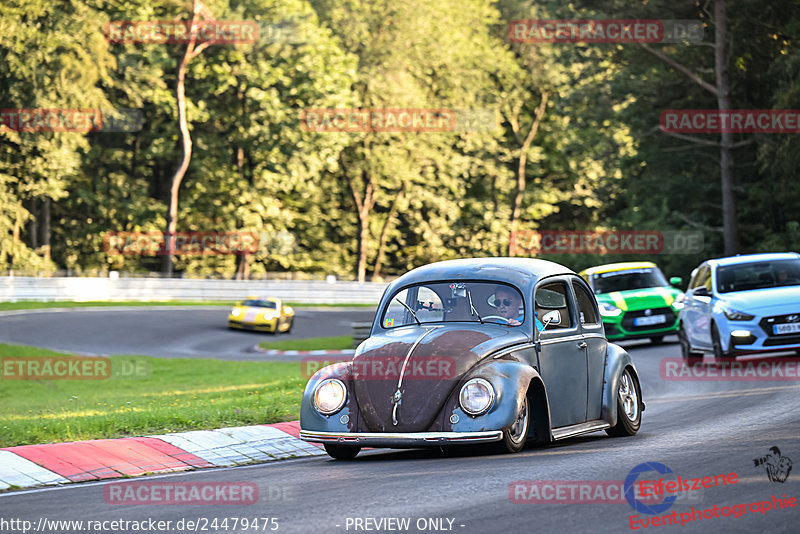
pixel 400 440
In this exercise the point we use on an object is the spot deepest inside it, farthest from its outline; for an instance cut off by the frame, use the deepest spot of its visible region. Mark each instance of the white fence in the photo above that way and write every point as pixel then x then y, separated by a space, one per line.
pixel 17 288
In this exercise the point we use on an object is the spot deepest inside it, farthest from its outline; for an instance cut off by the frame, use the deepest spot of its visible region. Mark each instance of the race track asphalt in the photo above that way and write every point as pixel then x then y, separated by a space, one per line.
pixel 696 428
pixel 168 332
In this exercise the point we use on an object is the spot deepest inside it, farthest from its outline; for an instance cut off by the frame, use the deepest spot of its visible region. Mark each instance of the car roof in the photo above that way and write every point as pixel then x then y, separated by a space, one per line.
pixel 750 258
pixel 271 299
pixel 520 272
pixel 610 267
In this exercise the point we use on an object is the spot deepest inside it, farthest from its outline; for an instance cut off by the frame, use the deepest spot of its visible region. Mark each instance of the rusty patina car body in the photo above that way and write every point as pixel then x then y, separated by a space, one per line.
pixel 448 363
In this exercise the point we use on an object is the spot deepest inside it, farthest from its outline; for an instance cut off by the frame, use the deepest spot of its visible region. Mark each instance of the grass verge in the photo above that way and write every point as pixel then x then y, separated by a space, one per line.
pixel 314 343
pixel 145 396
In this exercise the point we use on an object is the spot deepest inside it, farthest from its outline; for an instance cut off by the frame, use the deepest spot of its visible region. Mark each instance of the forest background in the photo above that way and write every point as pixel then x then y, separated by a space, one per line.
pixel 575 143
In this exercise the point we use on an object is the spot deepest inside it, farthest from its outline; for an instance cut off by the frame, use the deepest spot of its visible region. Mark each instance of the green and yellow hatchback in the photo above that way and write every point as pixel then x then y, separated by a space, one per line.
pixel 635 300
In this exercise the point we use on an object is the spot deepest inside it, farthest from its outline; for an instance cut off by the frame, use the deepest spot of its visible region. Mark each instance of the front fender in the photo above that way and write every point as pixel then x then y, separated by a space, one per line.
pixel 510 380
pixel 617 360
pixel 311 419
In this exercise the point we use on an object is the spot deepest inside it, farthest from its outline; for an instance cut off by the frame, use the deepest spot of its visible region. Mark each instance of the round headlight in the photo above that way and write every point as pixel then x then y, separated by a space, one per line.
pixel 329 397
pixel 236 312
pixel 476 396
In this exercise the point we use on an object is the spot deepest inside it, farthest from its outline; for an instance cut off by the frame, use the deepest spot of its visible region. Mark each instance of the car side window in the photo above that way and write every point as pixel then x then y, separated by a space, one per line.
pixel 550 297
pixel 703 278
pixel 429 305
pixel 696 275
pixel 587 313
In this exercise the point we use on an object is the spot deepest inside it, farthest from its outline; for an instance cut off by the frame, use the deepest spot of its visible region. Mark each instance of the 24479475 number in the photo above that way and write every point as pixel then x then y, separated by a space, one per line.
pixel 236 524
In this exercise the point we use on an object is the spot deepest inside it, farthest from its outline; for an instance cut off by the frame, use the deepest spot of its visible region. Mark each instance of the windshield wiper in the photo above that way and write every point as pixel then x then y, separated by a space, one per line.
pixel 409 310
pixel 472 310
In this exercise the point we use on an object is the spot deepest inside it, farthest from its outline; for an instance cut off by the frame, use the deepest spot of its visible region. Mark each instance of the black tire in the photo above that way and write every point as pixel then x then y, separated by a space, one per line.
pixel 689 356
pixel 514 436
pixel 719 354
pixel 656 340
pixel 629 406
pixel 341 452
pixel 291 324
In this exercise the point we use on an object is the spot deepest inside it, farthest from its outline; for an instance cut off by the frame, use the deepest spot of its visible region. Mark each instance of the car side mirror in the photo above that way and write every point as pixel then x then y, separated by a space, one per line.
pixel 676 281
pixel 550 317
pixel 701 291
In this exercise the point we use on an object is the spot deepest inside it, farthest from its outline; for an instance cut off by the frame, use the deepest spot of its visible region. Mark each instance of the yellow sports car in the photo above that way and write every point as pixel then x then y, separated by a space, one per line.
pixel 262 314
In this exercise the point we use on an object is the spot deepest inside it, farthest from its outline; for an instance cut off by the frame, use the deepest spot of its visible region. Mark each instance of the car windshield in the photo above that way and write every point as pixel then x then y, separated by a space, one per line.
pixel 452 301
pixel 254 303
pixel 758 275
pixel 628 279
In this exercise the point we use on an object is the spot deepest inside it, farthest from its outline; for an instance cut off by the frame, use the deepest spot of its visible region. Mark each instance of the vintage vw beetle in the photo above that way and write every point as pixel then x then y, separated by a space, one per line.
pixel 461 353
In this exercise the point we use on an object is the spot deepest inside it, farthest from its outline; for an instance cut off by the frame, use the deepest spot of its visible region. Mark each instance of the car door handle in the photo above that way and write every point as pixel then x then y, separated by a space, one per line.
pixel 582 345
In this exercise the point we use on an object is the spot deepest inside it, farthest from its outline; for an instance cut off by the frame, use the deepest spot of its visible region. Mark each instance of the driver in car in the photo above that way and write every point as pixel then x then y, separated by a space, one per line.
pixel 507 303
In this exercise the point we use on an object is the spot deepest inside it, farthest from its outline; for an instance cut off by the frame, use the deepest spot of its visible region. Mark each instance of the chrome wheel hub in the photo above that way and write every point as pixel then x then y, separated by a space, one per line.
pixel 520 427
pixel 627 396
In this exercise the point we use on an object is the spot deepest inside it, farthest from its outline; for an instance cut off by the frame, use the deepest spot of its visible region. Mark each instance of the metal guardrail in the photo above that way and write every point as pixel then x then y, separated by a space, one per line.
pixel 16 288
pixel 360 332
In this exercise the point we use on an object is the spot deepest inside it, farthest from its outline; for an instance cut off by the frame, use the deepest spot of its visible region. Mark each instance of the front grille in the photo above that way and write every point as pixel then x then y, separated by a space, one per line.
pixel 782 340
pixel 767 323
pixel 627 320
pixel 611 329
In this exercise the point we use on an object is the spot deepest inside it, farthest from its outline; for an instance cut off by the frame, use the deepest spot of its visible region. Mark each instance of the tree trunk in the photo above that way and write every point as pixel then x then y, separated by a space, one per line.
pixel 32 229
pixel 45 228
pixel 177 178
pixel 186 142
pixel 516 207
pixel 379 258
pixel 729 227
pixel 363 239
pixel 242 267
pixel 721 89
pixel 364 206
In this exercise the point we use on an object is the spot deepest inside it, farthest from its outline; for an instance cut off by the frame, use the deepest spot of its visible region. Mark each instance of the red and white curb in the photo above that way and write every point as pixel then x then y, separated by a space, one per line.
pixel 342 353
pixel 61 463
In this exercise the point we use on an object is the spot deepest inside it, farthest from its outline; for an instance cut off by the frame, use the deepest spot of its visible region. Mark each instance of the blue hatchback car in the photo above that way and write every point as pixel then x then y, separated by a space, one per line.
pixel 742 305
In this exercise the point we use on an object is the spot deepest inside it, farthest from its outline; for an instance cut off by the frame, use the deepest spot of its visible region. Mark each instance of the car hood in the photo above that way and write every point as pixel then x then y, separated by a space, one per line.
pixel 640 299
pixel 780 299
pixel 253 311
pixel 438 357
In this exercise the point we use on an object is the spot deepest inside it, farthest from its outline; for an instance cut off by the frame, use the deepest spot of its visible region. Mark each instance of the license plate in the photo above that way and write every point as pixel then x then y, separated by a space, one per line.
pixel 653 319
pixel 790 328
